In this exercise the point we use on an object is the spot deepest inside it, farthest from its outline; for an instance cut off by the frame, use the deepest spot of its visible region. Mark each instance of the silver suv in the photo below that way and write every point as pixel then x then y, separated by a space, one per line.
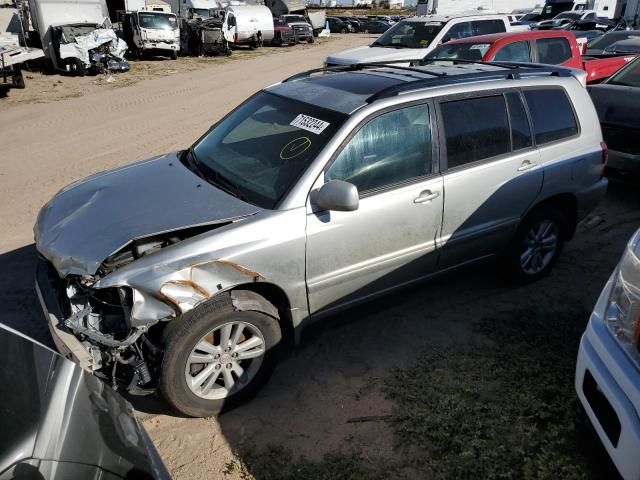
pixel 185 272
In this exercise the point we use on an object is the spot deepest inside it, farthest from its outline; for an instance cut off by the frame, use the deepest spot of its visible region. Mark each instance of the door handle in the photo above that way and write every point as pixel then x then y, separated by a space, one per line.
pixel 526 165
pixel 426 196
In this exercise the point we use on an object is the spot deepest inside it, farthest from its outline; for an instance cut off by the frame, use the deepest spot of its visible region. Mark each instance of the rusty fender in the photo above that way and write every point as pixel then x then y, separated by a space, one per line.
pixel 200 281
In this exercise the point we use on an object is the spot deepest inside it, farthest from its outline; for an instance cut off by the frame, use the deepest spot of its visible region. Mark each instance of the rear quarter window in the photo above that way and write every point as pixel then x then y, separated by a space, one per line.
pixel 552 115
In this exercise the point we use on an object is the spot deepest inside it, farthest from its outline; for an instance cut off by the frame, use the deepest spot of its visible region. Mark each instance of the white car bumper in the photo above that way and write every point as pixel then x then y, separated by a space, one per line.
pixel 608 386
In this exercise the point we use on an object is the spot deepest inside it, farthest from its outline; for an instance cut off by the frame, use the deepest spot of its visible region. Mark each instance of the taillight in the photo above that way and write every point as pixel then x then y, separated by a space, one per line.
pixel 605 156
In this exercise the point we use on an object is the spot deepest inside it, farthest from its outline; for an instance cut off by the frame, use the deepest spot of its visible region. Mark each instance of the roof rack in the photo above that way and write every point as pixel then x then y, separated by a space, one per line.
pixel 513 71
pixel 354 67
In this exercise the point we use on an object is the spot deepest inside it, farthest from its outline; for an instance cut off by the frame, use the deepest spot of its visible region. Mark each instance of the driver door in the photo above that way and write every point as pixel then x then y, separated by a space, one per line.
pixel 391 239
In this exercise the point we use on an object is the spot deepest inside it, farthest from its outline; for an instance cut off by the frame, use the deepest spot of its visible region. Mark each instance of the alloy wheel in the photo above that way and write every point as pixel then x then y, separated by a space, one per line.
pixel 540 246
pixel 225 360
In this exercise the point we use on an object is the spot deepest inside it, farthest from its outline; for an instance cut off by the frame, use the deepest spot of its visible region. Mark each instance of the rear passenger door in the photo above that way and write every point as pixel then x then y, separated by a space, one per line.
pixel 492 173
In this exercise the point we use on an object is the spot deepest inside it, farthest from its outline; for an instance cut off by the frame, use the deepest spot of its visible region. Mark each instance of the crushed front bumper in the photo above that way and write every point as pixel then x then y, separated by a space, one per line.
pixel 49 294
pixel 608 385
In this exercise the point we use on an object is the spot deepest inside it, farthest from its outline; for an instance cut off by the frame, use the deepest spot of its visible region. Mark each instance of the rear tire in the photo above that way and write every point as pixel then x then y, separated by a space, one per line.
pixel 208 322
pixel 174 55
pixel 536 245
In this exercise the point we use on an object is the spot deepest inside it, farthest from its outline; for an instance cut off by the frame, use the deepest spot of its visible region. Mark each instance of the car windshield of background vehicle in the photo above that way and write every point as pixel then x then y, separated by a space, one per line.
pixel 295 18
pixel 201 12
pixel 409 35
pixel 609 39
pixel 464 51
pixel 259 150
pixel 159 21
pixel 629 76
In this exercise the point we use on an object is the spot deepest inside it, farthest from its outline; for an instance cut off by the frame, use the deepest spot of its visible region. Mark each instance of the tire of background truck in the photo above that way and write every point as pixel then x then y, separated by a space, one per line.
pixel 311 39
pixel 174 55
pixel 18 80
pixel 344 30
pixel 536 245
pixel 203 357
pixel 366 30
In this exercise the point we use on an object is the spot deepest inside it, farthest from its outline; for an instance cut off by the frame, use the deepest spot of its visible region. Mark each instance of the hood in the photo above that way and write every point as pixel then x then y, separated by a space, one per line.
pixel 92 219
pixel 376 54
pixel 616 104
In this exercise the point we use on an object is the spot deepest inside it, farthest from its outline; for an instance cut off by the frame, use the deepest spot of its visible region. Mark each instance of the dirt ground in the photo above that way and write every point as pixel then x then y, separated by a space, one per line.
pixel 328 396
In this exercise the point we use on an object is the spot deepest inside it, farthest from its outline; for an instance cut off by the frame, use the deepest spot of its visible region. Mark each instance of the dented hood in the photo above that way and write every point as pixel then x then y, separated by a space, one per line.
pixel 90 220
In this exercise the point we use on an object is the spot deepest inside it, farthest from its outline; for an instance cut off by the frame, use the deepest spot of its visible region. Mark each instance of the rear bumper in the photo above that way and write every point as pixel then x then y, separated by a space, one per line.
pixel 608 385
pixel 66 343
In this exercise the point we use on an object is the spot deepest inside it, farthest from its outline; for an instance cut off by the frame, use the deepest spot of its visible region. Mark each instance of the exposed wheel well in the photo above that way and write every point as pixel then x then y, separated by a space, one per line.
pixel 279 299
pixel 569 205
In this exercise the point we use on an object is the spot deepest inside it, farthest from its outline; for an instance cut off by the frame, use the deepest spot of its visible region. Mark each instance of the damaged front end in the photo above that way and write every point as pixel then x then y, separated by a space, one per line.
pixel 89 49
pixel 109 282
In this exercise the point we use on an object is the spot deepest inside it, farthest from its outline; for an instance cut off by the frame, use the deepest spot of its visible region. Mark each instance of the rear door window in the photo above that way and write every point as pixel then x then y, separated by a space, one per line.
pixel 553 51
pixel 514 52
pixel 551 114
pixel 475 129
pixel 485 27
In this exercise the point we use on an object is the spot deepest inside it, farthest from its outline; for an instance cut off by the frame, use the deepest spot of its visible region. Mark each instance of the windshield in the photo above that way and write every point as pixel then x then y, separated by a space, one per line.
pixel 260 149
pixel 295 18
pixel 573 16
pixel 608 39
pixel 628 76
pixel 409 35
pixel 70 32
pixel 159 21
pixel 462 51
pixel 530 17
pixel 201 12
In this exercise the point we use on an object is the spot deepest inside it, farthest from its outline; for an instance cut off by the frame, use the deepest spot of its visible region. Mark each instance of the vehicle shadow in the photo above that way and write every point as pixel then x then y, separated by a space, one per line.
pixel 19 304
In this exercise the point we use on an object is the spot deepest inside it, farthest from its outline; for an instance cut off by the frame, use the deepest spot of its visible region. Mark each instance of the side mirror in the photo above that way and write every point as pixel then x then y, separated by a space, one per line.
pixel 338 196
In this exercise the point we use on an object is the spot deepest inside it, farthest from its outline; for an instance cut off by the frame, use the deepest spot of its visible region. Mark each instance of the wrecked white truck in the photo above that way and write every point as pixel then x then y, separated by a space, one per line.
pixel 77 37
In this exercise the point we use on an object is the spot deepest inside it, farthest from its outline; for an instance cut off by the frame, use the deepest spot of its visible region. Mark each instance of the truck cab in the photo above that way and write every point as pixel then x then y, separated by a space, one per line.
pixel 413 38
pixel 151 31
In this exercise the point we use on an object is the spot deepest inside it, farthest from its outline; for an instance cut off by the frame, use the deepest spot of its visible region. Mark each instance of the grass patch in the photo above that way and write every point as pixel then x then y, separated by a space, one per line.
pixel 502 406
pixel 275 463
pixel 501 410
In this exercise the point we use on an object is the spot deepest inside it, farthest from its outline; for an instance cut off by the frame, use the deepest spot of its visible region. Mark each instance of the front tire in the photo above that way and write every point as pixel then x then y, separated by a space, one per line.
pixel 536 246
pixel 216 358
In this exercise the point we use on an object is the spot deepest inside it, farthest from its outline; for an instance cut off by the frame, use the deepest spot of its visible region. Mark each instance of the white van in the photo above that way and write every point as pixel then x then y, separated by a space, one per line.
pixel 413 38
pixel 248 24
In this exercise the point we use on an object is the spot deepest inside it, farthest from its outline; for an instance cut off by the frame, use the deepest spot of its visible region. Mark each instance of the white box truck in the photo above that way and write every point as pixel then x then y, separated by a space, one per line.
pixel 76 36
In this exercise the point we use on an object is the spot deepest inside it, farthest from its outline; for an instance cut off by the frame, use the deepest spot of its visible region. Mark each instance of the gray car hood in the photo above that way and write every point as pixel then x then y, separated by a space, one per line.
pixel 90 220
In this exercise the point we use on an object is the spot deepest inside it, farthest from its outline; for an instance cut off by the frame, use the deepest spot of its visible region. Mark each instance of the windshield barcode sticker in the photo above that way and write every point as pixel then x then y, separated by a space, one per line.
pixel 310 124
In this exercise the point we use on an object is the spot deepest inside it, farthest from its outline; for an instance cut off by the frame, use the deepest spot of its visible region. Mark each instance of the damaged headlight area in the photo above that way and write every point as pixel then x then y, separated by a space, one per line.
pixel 121 353
pixel 623 309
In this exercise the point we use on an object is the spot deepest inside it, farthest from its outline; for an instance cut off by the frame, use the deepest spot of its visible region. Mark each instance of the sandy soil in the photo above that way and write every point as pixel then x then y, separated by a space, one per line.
pixel 338 373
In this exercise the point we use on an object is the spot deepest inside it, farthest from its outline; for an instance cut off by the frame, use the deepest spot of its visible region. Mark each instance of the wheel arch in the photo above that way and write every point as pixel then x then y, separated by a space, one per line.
pixel 269 299
pixel 568 204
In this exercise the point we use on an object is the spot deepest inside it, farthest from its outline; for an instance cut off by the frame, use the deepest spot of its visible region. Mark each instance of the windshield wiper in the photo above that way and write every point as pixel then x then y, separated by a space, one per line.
pixel 213 176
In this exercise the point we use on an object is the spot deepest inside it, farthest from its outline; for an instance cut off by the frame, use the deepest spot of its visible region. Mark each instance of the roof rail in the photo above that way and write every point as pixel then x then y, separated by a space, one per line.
pixel 354 67
pixel 514 72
